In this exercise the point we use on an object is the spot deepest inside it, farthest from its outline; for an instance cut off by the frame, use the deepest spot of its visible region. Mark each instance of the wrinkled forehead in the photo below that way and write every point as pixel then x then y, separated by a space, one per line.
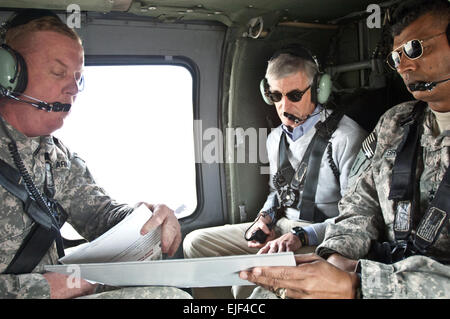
pixel 423 27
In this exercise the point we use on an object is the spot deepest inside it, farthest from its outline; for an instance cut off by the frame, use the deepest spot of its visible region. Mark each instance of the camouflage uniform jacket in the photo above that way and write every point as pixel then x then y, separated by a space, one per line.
pixel 367 214
pixel 90 210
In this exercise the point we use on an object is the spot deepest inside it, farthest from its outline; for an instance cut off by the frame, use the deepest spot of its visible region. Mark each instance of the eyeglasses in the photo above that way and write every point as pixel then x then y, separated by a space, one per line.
pixel 293 96
pixel 413 50
pixel 80 84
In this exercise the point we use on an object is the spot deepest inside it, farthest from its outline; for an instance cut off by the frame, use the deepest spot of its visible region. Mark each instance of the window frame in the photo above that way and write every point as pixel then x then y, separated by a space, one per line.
pixel 133 60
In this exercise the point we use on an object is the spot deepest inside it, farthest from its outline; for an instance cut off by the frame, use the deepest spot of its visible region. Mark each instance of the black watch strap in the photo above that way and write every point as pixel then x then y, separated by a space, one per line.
pixel 301 234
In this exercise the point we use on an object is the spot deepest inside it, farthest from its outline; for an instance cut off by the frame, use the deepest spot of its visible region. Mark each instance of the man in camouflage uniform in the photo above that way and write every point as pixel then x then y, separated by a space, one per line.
pixel 359 247
pixel 54 57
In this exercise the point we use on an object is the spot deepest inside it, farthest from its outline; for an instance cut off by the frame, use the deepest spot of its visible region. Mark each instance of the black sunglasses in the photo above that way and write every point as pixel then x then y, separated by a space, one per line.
pixel 293 96
pixel 413 50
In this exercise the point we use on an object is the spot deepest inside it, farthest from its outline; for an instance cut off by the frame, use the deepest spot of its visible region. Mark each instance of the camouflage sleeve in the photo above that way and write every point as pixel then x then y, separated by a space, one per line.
pixel 414 277
pixel 24 286
pixel 90 210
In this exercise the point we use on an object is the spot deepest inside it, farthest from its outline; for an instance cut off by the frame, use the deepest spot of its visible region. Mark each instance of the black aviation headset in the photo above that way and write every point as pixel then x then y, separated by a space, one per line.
pixel 321 85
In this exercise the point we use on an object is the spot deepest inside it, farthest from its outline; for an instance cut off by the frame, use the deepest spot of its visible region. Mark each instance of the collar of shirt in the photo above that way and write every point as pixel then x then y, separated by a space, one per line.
pixel 301 130
pixel 25 144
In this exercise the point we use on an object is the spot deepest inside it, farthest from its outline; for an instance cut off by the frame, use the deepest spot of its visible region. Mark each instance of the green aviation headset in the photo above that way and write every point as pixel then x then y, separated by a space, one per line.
pixel 321 85
pixel 13 69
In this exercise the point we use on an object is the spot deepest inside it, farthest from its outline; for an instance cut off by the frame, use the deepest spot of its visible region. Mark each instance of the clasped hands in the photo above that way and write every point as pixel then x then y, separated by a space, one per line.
pixel 286 242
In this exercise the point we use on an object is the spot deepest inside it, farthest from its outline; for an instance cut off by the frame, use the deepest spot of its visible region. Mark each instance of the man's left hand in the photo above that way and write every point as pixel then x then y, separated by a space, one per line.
pixel 170 227
pixel 313 277
pixel 286 242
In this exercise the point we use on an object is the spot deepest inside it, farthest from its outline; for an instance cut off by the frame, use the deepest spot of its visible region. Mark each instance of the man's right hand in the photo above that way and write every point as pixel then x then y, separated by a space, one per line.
pixel 261 223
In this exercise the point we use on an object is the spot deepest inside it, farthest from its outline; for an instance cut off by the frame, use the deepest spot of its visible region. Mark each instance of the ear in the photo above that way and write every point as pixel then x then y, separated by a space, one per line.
pixel 264 89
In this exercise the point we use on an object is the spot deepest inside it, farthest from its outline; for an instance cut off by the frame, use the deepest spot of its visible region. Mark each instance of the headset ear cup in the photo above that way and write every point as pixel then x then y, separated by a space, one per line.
pixel 324 88
pixel 264 88
pixel 22 76
pixel 13 70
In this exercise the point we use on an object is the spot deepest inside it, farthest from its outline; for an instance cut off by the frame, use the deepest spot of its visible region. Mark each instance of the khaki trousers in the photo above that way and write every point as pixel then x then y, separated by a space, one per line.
pixel 228 240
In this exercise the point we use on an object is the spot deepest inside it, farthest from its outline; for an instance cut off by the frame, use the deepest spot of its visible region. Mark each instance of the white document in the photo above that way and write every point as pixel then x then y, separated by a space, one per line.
pixel 123 242
pixel 184 273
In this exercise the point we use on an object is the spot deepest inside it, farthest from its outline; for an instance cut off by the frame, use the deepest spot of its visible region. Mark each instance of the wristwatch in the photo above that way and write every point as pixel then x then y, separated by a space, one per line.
pixel 301 234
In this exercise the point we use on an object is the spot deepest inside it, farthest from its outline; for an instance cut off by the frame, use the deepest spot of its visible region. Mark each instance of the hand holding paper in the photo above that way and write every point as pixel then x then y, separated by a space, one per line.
pixel 123 242
pixel 170 228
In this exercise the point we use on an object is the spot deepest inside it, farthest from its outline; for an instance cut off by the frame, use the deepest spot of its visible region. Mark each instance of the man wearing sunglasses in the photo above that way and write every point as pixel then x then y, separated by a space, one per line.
pixel 284 224
pixel 392 237
pixel 42 182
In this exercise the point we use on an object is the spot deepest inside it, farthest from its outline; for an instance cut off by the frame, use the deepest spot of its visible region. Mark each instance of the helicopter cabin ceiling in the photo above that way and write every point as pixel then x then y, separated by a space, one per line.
pixel 228 12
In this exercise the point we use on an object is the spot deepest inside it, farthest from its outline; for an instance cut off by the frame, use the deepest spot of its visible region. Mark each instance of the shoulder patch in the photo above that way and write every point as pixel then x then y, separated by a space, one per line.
pixel 369 145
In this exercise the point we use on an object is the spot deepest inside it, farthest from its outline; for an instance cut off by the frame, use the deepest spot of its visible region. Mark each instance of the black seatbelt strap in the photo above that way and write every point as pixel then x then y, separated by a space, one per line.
pixel 42 234
pixel 35 245
pixel 313 156
pixel 10 180
pixel 404 171
pixel 402 189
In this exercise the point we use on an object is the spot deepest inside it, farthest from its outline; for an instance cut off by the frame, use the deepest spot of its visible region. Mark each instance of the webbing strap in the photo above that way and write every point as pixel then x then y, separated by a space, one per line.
pixel 403 172
pixel 42 233
pixel 9 179
pixel 31 251
pixel 313 155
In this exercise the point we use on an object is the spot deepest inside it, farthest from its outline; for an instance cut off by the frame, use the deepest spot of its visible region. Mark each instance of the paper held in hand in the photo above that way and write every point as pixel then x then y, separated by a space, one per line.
pixel 123 257
pixel 121 243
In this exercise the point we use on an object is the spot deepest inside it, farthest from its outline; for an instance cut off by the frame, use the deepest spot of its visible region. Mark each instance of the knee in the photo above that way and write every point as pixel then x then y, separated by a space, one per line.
pixel 192 244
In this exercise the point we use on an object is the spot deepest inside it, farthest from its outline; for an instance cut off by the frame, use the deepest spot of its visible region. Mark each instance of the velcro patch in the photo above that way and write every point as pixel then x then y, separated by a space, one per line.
pixel 430 225
pixel 369 145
